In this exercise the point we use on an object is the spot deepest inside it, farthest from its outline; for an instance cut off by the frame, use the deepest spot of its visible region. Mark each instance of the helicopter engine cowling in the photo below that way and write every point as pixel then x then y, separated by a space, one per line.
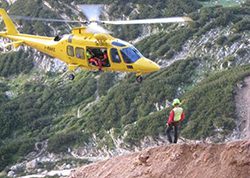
pixel 101 37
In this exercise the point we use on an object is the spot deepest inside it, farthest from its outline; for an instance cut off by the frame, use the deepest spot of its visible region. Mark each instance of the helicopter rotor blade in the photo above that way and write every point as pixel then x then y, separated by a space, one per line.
pixel 44 19
pixel 150 21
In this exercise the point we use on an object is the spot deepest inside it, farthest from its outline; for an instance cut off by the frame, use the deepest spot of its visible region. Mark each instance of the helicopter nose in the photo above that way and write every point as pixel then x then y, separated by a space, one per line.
pixel 146 65
pixel 154 67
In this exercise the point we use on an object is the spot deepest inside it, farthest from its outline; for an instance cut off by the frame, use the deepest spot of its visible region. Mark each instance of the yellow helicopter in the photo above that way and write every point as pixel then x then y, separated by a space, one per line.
pixel 89 47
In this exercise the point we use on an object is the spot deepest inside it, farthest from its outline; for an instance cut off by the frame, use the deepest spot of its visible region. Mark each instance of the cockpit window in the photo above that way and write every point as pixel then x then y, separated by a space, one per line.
pixel 115 43
pixel 130 55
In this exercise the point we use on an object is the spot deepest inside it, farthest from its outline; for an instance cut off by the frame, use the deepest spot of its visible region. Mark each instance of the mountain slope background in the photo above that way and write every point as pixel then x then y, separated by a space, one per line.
pixel 109 114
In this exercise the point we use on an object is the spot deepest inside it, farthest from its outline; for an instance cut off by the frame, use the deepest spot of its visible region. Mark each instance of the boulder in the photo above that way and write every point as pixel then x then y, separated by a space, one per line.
pixel 11 174
pixel 32 165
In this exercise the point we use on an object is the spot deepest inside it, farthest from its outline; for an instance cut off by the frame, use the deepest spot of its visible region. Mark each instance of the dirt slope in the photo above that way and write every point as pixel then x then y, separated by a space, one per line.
pixel 230 160
pixel 243 109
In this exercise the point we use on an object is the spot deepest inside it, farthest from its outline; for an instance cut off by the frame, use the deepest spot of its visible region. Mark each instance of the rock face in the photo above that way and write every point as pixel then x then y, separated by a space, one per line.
pixel 243 110
pixel 180 160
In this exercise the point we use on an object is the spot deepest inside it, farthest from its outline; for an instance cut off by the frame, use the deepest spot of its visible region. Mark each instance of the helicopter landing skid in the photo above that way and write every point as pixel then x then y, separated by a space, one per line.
pixel 139 78
pixel 71 69
pixel 71 76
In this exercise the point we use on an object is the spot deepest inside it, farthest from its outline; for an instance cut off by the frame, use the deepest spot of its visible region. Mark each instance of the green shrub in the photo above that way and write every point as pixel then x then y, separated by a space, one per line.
pixel 62 141
pixel 242 25
pixel 12 151
pixel 221 40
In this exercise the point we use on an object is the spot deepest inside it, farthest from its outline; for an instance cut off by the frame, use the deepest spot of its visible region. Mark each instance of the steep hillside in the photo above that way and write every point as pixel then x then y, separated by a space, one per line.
pixel 52 122
pixel 182 160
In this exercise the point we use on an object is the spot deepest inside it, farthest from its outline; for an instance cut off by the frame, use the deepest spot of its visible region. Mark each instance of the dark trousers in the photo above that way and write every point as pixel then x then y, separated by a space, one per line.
pixel 169 129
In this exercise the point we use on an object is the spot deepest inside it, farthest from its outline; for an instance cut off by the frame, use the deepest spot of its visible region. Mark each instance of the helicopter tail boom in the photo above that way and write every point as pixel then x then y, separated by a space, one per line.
pixel 11 28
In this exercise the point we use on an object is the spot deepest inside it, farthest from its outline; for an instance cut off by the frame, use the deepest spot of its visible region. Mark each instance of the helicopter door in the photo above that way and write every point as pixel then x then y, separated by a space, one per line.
pixel 98 57
pixel 116 59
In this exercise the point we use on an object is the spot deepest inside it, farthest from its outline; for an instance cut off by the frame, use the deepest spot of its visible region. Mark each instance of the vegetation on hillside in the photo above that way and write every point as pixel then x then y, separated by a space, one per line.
pixel 34 8
pixel 37 107
pixel 15 63
pixel 33 113
pixel 205 20
pixel 211 106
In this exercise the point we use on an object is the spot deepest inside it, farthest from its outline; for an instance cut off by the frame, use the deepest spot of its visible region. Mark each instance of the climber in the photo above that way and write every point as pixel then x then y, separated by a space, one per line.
pixel 175 117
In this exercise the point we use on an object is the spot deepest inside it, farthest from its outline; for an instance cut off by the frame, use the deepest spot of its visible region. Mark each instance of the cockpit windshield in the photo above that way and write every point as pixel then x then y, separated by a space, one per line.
pixel 130 54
